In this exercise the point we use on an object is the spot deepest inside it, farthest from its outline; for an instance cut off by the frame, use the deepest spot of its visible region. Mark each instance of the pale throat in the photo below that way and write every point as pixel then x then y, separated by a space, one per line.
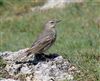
pixel 53 29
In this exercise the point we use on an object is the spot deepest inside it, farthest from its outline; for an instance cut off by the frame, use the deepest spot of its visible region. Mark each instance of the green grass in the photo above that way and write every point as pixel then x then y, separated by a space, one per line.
pixel 78 34
pixel 12 7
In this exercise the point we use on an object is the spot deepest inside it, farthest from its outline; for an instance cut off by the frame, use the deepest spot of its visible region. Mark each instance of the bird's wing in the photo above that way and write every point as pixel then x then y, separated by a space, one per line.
pixel 40 44
pixel 43 36
pixel 38 47
pixel 38 38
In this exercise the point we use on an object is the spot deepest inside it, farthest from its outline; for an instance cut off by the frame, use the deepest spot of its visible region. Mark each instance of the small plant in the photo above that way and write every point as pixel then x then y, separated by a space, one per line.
pixel 1 2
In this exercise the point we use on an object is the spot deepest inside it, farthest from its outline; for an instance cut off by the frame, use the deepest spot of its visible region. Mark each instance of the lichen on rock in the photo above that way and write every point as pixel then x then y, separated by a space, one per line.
pixel 52 67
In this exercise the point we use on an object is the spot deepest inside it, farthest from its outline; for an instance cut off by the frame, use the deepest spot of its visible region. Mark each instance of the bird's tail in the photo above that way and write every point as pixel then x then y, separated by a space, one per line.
pixel 28 52
pixel 24 56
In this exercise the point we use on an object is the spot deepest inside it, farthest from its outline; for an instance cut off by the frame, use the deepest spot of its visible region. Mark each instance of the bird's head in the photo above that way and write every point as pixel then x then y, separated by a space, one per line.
pixel 51 23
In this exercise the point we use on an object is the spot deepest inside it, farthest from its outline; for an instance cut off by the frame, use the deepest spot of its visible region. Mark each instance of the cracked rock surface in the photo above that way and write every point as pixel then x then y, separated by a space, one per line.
pixel 42 67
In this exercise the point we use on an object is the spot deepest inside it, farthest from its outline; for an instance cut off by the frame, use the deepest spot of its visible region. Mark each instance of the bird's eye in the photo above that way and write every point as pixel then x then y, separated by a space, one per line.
pixel 51 22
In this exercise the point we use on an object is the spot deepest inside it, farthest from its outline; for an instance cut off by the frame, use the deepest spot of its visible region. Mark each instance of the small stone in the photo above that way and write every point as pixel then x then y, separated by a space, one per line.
pixel 8 80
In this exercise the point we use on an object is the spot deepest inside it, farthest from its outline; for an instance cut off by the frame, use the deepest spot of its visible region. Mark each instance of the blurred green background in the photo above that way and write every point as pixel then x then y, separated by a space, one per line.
pixel 78 34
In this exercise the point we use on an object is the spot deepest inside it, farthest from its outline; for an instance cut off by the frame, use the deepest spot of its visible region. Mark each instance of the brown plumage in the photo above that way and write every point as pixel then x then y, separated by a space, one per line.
pixel 44 41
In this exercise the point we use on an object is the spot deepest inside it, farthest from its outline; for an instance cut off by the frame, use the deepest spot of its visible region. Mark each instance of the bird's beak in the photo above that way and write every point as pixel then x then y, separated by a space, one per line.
pixel 58 21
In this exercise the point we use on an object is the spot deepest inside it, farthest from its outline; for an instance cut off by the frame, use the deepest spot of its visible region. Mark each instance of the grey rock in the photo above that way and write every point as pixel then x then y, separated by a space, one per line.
pixel 8 80
pixel 55 4
pixel 51 69
pixel 10 57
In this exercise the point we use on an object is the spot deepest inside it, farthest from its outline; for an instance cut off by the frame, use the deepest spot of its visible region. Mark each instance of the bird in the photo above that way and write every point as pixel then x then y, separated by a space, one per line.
pixel 45 40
